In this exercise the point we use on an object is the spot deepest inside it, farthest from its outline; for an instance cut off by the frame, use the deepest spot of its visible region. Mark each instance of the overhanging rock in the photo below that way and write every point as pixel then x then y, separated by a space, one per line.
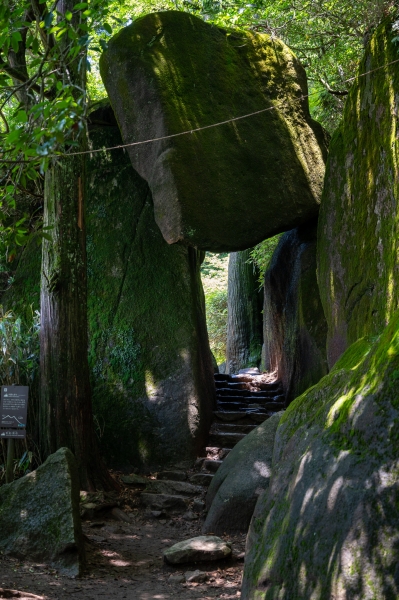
pixel 171 72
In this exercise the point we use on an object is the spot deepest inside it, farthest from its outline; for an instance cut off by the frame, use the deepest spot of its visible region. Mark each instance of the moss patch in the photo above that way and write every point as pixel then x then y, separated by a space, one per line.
pixel 171 72
pixel 358 254
pixel 329 523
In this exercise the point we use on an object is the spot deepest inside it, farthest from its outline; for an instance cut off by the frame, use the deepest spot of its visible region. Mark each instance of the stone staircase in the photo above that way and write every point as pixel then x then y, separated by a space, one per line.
pixel 243 402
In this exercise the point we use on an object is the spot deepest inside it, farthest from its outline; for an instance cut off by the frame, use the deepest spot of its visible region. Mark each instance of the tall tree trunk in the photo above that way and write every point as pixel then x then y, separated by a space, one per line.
pixel 66 411
pixel 244 306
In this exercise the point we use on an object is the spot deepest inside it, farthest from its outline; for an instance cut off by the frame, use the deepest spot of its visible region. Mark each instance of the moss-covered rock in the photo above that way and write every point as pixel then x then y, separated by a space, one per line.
pixel 358 255
pixel 149 353
pixel 171 72
pixel 294 326
pixel 39 515
pixel 328 527
pixel 241 478
pixel 152 374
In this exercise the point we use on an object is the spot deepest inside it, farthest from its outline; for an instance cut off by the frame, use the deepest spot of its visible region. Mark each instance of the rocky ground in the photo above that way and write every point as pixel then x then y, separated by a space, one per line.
pixel 125 560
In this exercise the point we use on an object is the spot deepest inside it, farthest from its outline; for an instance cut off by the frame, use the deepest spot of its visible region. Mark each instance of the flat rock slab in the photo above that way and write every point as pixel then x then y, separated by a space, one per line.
pixel 198 549
pixel 167 502
pixel 172 475
pixel 134 480
pixel 202 478
pixel 182 488
pixel 171 72
pixel 39 515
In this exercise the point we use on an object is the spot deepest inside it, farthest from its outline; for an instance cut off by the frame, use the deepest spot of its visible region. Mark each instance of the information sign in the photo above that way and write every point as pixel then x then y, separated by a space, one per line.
pixel 13 411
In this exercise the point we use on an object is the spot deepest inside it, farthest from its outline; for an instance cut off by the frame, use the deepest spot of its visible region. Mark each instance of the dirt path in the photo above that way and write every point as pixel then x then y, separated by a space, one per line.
pixel 125 562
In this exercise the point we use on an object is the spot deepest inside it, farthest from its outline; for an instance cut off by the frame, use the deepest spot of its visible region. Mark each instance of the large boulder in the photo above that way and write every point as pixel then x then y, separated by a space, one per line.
pixel 328 525
pixel 170 72
pixel 242 477
pixel 149 351
pixel 151 366
pixel 244 313
pixel 39 515
pixel 294 325
pixel 358 267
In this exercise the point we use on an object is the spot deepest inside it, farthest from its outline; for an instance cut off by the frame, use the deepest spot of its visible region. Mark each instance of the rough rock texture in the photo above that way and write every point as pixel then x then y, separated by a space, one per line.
pixel 241 478
pixel 328 526
pixel 171 72
pixel 152 374
pixel 39 515
pixel 358 266
pixel 244 310
pixel 149 351
pixel 295 327
pixel 198 549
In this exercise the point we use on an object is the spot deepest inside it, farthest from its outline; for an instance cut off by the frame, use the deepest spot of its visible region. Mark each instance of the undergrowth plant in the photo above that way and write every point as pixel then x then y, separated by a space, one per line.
pixel 19 364
pixel 216 320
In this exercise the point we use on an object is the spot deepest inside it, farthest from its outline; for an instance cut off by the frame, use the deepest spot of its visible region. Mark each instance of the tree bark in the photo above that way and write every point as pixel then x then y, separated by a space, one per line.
pixel 66 411
pixel 244 306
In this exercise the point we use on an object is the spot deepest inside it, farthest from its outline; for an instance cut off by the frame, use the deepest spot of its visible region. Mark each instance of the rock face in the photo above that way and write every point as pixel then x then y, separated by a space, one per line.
pixel 39 515
pixel 295 327
pixel 149 351
pixel 328 526
pixel 241 478
pixel 358 264
pixel 198 549
pixel 244 309
pixel 171 72
pixel 152 375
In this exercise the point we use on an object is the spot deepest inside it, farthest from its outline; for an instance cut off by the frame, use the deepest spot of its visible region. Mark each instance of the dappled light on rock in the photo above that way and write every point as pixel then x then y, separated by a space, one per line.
pixel 171 72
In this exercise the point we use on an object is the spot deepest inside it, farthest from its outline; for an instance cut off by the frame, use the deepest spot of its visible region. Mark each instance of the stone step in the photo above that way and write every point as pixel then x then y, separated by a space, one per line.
pixel 217 453
pixel 211 465
pixel 239 418
pixel 231 406
pixel 181 488
pixel 250 399
pixel 270 386
pixel 245 378
pixel 172 475
pixel 245 393
pixel 225 440
pixel 237 385
pixel 168 502
pixel 203 479
pixel 231 428
pixel 220 385
pixel 222 377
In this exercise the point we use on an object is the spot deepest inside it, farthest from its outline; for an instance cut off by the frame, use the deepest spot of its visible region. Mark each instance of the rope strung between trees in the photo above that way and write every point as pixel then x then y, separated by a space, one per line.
pixel 195 130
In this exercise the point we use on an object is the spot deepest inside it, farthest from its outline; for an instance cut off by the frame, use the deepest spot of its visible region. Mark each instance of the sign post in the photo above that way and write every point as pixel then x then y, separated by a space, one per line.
pixel 13 413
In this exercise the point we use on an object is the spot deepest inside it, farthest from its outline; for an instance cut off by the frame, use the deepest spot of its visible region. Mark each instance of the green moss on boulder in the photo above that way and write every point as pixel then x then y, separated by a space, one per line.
pixel 358 254
pixel 171 72
pixel 294 325
pixel 39 515
pixel 328 526
pixel 149 353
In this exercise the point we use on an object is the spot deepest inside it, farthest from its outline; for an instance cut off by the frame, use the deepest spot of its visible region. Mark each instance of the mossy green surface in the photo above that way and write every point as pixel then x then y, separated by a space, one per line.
pixel 24 290
pixel 328 528
pixel 39 515
pixel 358 252
pixel 151 367
pixel 149 355
pixel 170 72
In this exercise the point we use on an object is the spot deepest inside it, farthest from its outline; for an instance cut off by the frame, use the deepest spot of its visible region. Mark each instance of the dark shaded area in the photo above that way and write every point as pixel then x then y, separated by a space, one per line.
pixel 295 327
pixel 244 310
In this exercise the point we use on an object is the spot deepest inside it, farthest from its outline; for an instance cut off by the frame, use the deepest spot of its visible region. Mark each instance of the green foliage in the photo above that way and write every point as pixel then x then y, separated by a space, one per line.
pixel 262 254
pixel 216 320
pixel 19 348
